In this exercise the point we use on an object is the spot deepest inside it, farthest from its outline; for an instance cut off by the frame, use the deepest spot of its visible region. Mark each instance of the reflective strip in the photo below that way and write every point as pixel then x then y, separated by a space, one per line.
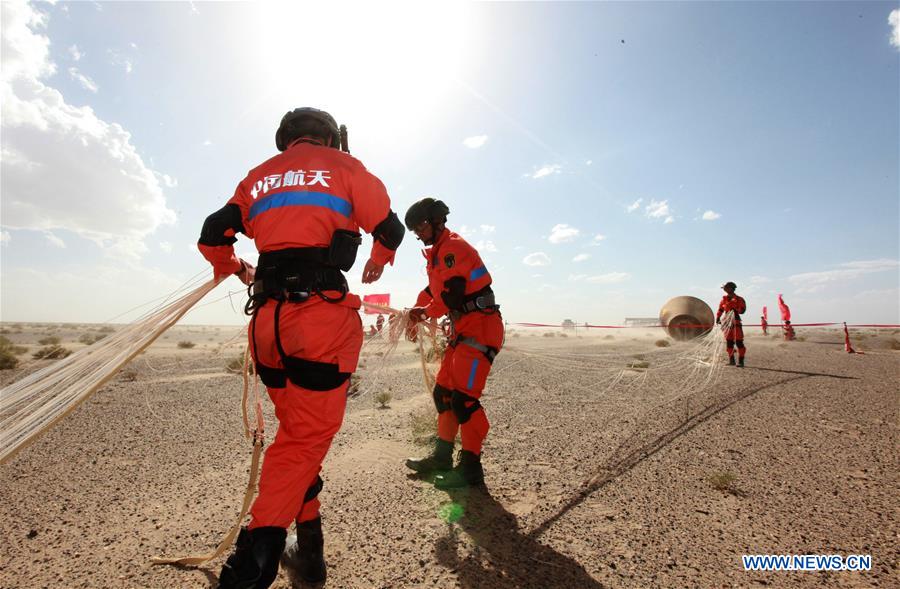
pixel 472 374
pixel 290 199
pixel 477 273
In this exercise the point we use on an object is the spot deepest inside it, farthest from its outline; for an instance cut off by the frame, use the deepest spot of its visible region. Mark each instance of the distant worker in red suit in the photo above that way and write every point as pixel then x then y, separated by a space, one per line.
pixel 304 208
pixel 788 330
pixel 459 286
pixel 734 333
pixel 764 324
pixel 379 323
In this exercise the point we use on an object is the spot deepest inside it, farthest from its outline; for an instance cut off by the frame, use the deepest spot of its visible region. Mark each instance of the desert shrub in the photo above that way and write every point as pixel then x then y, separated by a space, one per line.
pixel 801 338
pixel 236 365
pixel 609 337
pixel 437 352
pixel 722 481
pixel 383 398
pixel 663 343
pixel 638 364
pixel 8 358
pixel 564 335
pixel 106 329
pixel 186 345
pixel 52 352
pixel 91 338
pixel 353 389
pixel 129 375
pixel 894 344
pixel 423 425
pixel 516 334
pixel 549 334
pixel 50 340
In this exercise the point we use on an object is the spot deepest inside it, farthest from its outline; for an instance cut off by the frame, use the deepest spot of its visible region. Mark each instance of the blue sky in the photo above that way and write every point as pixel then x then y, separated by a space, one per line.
pixel 602 156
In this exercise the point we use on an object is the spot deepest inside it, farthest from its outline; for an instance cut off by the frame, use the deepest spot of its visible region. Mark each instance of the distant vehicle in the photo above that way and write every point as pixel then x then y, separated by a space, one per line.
pixel 568 324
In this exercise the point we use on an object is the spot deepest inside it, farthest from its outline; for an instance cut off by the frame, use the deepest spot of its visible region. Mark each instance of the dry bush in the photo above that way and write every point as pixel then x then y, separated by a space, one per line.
pixel 236 365
pixel 722 481
pixel 638 364
pixel 609 337
pixel 437 352
pixel 186 345
pixel 91 338
pixel 549 334
pixel 50 340
pixel 8 358
pixel 663 343
pixel 53 352
pixel 516 334
pixel 106 329
pixel 383 398
pixel 423 424
pixel 353 389
pixel 894 344
pixel 564 335
pixel 129 375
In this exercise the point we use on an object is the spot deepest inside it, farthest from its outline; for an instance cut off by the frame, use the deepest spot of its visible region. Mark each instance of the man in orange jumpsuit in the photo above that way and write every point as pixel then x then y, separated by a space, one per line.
pixel 459 286
pixel 734 335
pixel 303 208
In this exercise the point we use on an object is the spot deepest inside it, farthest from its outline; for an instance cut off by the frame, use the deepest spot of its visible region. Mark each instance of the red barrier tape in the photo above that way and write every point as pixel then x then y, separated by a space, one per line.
pixel 701 326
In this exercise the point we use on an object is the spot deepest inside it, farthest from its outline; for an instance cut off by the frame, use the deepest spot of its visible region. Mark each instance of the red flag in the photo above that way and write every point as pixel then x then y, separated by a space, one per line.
pixel 785 310
pixel 377 299
pixel 766 314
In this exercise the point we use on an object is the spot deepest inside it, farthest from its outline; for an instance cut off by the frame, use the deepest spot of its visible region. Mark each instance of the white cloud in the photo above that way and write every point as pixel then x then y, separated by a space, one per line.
pixel 536 259
pixel 75 52
pixel 86 82
pixel 657 209
pixel 169 181
pixel 589 162
pixel 894 20
pixel 5 237
pixel 577 277
pixel 165 246
pixel 54 240
pixel 486 246
pixel 610 278
pixel 487 229
pixel 562 233
pixel 581 257
pixel 466 231
pixel 207 143
pixel 546 171
pixel 668 220
pixel 537 275
pixel 710 216
pixel 759 280
pixel 475 141
pixel 845 272
pixel 634 206
pixel 62 166
pixel 597 239
pixel 123 61
pixel 193 8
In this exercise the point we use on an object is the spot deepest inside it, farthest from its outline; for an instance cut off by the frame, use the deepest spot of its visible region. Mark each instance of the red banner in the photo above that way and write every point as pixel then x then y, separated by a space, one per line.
pixel 785 310
pixel 377 299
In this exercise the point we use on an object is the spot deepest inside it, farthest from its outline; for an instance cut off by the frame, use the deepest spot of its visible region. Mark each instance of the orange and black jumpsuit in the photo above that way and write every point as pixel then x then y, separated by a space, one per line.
pixel 734 336
pixel 459 286
pixel 306 333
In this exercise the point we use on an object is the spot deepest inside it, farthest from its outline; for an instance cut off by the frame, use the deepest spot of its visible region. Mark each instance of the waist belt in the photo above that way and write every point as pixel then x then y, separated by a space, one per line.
pixel 294 275
pixel 483 300
pixel 489 352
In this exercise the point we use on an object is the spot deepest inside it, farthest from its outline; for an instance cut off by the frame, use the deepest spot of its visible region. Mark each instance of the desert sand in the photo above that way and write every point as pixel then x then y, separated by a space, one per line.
pixel 795 454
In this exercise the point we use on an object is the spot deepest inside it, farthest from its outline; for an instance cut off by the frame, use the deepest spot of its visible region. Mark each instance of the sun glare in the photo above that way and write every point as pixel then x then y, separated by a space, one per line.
pixel 385 68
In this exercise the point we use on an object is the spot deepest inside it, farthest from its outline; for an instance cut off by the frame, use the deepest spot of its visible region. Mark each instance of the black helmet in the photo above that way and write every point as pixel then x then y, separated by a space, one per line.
pixel 731 284
pixel 308 121
pixel 427 209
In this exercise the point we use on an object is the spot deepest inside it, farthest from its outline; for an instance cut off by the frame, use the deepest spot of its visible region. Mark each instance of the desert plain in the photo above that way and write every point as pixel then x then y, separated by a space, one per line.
pixel 591 482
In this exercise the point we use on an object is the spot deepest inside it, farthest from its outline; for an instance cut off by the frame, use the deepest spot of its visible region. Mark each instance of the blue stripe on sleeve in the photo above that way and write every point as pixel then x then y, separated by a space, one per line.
pixel 301 198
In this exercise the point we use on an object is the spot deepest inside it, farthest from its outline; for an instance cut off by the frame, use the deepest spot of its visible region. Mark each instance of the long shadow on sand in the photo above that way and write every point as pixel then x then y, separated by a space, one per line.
pixel 503 557
pixel 616 467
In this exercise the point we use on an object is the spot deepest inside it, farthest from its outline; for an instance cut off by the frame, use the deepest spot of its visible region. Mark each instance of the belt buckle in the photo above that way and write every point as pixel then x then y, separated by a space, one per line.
pixel 297 296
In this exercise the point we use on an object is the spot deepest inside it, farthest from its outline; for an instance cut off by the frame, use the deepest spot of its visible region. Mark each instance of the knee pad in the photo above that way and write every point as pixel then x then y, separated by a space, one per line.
pixel 740 344
pixel 729 344
pixel 314 490
pixel 442 396
pixel 458 402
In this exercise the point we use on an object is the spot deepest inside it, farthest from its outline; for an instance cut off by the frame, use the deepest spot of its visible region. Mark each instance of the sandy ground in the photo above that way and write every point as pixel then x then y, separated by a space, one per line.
pixel 155 464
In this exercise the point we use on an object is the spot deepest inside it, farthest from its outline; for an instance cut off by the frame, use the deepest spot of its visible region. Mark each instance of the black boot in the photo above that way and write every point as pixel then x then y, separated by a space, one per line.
pixel 731 360
pixel 468 473
pixel 741 362
pixel 304 559
pixel 254 562
pixel 441 458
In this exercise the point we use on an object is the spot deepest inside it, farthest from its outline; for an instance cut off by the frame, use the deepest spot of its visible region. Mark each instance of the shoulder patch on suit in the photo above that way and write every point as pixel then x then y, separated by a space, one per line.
pixel 449 259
